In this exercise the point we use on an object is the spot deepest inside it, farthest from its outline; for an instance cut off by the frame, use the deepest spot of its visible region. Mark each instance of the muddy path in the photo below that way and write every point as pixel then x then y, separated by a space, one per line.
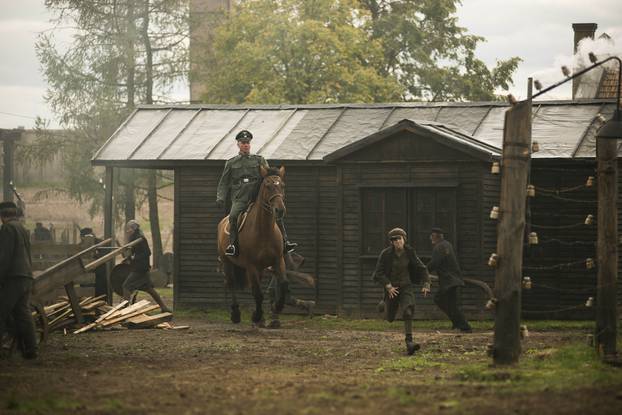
pixel 218 368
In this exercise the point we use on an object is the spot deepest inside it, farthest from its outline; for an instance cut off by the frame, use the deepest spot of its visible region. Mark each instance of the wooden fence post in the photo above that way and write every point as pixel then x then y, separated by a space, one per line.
pixel 510 232
pixel 606 313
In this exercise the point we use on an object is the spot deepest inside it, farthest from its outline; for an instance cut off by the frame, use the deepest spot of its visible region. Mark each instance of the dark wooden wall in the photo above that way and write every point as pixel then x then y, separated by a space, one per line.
pixel 324 216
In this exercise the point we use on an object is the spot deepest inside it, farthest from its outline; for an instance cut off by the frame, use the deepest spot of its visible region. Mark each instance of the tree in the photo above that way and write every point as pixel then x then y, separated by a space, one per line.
pixel 314 51
pixel 296 51
pixel 123 53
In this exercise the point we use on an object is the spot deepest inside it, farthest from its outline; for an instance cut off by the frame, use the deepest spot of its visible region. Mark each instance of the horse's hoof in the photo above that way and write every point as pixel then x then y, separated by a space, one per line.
pixel 260 324
pixel 274 324
pixel 257 317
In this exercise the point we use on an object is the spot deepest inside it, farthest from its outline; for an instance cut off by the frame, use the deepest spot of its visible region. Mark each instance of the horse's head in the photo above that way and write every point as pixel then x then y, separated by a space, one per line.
pixel 272 190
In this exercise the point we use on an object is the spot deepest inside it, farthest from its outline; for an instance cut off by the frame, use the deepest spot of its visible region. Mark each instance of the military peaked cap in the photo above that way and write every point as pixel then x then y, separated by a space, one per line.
pixel 8 205
pixel 244 135
pixel 397 232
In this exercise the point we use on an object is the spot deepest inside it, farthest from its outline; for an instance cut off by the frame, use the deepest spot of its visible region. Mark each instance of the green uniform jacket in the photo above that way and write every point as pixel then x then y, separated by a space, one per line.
pixel 236 170
pixel 418 272
pixel 445 264
pixel 15 260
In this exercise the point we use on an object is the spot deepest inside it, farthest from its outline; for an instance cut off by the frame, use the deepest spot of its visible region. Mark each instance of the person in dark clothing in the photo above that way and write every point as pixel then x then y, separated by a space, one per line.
pixel 101 283
pixel 445 264
pixel 16 280
pixel 139 278
pixel 41 233
pixel 398 269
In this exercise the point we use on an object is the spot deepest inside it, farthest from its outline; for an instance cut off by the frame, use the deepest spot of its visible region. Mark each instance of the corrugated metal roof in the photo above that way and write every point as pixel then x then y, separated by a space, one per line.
pixel 310 132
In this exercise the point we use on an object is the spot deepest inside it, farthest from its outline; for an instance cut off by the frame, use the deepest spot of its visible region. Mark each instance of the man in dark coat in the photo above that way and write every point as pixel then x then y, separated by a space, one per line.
pixel 398 269
pixel 240 179
pixel 101 283
pixel 139 278
pixel 16 280
pixel 445 264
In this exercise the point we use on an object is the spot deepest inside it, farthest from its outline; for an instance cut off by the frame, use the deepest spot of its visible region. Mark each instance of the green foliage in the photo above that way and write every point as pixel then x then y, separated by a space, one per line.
pixel 322 51
pixel 296 51
pixel 121 54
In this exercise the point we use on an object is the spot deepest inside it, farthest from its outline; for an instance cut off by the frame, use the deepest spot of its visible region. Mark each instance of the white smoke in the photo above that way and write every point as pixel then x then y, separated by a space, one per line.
pixel 602 46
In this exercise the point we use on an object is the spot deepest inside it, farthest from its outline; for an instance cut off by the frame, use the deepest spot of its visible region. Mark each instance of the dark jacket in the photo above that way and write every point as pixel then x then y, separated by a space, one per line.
pixel 445 264
pixel 140 253
pixel 418 272
pixel 15 259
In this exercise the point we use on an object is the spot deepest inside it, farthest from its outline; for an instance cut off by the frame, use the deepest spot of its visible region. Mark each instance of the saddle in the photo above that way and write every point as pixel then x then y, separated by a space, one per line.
pixel 241 219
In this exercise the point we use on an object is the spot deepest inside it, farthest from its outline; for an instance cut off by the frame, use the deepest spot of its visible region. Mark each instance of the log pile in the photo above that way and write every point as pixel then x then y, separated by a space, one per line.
pixel 100 315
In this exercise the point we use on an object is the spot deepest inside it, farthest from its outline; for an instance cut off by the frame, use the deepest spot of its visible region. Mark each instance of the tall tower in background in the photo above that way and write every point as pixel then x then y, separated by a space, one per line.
pixel 203 15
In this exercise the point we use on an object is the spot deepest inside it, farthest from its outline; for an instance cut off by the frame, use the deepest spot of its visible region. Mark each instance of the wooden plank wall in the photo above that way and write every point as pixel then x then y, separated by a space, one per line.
pixel 360 294
pixel 311 220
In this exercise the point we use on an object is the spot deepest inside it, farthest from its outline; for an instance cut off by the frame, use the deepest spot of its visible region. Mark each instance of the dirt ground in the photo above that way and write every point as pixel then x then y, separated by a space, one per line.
pixel 305 367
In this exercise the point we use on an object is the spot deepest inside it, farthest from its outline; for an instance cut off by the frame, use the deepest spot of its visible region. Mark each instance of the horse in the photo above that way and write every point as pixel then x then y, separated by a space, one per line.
pixel 261 246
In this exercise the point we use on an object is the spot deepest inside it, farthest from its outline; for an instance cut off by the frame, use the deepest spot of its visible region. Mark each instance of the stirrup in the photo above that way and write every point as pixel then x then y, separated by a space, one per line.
pixel 231 250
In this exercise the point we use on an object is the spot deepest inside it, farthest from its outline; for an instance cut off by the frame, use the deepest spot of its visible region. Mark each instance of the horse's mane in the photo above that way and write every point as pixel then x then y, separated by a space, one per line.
pixel 272 171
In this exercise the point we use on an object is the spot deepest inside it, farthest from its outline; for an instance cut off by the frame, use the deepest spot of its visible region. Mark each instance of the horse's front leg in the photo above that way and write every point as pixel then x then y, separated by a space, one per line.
pixel 231 280
pixel 258 295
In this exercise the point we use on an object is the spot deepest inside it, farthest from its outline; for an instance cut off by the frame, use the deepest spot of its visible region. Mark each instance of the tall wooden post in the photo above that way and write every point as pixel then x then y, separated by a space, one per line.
pixel 606 313
pixel 109 224
pixel 510 232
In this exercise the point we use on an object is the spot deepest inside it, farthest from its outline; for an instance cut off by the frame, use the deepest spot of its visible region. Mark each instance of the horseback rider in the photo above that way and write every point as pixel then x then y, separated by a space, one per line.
pixel 240 179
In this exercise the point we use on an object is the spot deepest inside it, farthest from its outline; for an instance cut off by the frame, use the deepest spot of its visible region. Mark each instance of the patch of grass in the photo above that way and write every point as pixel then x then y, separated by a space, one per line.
pixel 403 395
pixel 569 367
pixel 40 405
pixel 412 363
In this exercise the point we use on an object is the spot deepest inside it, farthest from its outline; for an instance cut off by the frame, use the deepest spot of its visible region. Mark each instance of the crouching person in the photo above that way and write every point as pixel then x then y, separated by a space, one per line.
pixel 398 269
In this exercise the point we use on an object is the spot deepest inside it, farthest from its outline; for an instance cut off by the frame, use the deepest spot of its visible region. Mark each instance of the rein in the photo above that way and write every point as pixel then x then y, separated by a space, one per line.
pixel 267 204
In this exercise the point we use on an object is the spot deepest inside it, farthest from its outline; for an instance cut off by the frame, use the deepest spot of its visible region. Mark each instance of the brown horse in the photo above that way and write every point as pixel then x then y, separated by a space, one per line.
pixel 261 246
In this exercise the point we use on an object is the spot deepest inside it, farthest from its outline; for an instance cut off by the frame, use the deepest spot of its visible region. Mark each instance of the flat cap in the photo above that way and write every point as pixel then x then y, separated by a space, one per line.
pixel 397 232
pixel 436 229
pixel 8 205
pixel 86 231
pixel 244 135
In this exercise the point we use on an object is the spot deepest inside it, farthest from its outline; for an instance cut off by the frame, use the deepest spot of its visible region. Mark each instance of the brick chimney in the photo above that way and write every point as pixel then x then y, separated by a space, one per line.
pixel 581 31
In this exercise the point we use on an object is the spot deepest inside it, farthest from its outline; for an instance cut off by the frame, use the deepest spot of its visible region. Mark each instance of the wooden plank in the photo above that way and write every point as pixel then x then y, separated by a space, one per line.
pixel 145 321
pixel 121 318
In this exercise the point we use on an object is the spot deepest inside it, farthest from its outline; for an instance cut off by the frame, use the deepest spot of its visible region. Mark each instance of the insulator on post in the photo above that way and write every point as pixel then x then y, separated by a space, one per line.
pixel 494 212
pixel 592 57
pixel 599 117
pixel 533 238
pixel 523 331
pixel 589 302
pixel 496 167
pixel 512 99
pixel 491 304
pixel 589 263
pixel 493 260
pixel 537 84
pixel 589 219
pixel 590 181
pixel 531 190
pixel 565 71
pixel 527 283
pixel 535 147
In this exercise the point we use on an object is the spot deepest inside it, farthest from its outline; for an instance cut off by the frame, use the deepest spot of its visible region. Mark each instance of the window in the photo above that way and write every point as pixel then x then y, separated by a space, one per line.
pixel 416 210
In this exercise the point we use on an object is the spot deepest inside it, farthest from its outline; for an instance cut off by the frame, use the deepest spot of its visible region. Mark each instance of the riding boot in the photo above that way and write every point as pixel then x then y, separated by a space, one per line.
pixel 233 249
pixel 287 244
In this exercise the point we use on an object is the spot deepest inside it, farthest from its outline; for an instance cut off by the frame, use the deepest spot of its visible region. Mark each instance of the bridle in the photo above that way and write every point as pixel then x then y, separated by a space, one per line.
pixel 267 204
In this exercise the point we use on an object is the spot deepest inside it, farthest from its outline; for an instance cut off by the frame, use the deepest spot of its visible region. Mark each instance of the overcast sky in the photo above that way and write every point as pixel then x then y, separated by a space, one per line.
pixel 538 31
